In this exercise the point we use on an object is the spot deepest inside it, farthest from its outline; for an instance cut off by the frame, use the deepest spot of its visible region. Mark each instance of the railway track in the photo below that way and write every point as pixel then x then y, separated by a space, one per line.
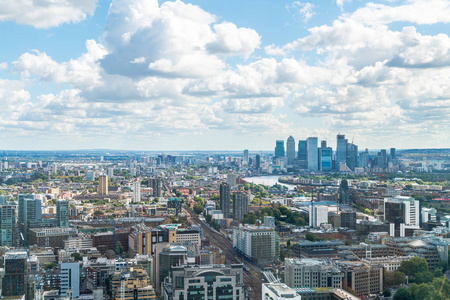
pixel 251 272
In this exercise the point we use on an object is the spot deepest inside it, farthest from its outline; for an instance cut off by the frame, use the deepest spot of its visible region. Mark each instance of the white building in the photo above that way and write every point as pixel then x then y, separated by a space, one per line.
pixel 318 214
pixel 70 278
pixel 231 179
pixel 428 214
pixel 259 243
pixel 111 172
pixel 137 192
pixel 402 209
pixel 312 273
pixel 278 291
pixel 269 222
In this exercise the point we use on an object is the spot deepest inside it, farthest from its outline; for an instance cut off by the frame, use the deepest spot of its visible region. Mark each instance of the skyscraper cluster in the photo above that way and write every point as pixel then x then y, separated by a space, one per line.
pixel 315 156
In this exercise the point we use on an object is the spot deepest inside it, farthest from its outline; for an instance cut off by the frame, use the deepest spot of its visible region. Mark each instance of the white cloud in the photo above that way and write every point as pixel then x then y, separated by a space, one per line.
pixel 3 66
pixel 414 11
pixel 301 11
pixel 340 3
pixel 46 13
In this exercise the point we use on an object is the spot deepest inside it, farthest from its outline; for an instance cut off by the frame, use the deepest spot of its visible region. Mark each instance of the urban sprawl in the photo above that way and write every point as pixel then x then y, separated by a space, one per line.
pixel 304 221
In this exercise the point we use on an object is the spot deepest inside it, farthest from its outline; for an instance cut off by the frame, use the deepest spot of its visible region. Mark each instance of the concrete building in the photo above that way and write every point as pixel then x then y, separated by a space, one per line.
pixel 278 291
pixel 137 192
pixel 176 204
pixel 363 279
pixel 102 185
pixel 182 236
pixel 167 256
pixel 259 243
pixel 348 219
pixel 225 199
pixel 312 153
pixel 205 282
pixel 155 183
pixel 14 281
pixel 7 225
pixel 401 212
pixel 312 273
pixel 51 237
pixel 231 179
pixel 62 213
pixel 142 240
pixel 70 279
pixel 137 285
pixel 240 205
pixel 318 215
pixel 269 222
pixel 78 242
pixel 290 150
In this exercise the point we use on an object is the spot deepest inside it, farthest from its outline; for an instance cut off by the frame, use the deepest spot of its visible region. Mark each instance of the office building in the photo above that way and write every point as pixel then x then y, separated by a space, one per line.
pixel 279 149
pixel 302 154
pixel 102 185
pixel 14 280
pixel 318 215
pixel 363 279
pixel 231 179
pixel 225 200
pixel 392 153
pixel 205 282
pixel 269 222
pixel 278 291
pixel 312 273
pixel 166 258
pixel 240 205
pixel 155 184
pixel 257 161
pixel 428 214
pixel 290 153
pixel 352 156
pixel 70 278
pixel 245 158
pixel 341 150
pixel 363 159
pixel 7 225
pixel 348 219
pixel 30 209
pixel 312 154
pixel 259 243
pixel 142 240
pixel 325 158
pixel 402 210
pixel 382 159
pixel 2 197
pixel 62 213
pixel 50 237
pixel 137 192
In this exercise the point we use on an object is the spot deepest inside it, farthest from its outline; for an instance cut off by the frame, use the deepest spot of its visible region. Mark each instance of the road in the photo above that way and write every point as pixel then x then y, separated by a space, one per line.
pixel 251 272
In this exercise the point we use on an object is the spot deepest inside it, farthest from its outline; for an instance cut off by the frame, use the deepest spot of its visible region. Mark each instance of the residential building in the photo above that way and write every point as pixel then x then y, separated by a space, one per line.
pixel 30 209
pixel 240 205
pixel 348 219
pixel 363 279
pixel 137 191
pixel 62 213
pixel 231 179
pixel 312 273
pixel 259 243
pixel 176 204
pixel 257 161
pixel 155 184
pixel 136 285
pixel 70 278
pixel 225 200
pixel 205 282
pixel 312 154
pixel 14 280
pixel 318 215
pixel 51 237
pixel 102 185
pixel 7 225
pixel 269 221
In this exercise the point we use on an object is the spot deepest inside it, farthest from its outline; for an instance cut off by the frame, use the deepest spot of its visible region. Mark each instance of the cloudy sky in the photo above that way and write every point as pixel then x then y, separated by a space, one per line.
pixel 223 75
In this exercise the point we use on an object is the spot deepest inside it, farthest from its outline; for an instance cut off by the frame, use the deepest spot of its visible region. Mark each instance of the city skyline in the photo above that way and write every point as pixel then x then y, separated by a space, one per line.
pixel 213 75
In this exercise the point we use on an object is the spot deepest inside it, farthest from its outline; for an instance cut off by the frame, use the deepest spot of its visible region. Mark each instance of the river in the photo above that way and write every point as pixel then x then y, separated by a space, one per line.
pixel 268 180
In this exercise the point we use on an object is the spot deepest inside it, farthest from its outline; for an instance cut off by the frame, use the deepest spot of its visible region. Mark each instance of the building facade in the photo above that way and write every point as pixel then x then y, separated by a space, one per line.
pixel 225 200
pixel 258 243
pixel 312 273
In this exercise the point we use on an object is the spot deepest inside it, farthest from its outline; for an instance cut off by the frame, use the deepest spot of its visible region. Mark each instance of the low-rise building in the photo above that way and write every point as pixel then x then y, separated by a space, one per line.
pixel 278 291
pixel 312 273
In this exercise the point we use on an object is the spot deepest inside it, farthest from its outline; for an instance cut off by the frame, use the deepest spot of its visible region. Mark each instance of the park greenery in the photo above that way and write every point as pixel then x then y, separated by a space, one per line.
pixel 281 215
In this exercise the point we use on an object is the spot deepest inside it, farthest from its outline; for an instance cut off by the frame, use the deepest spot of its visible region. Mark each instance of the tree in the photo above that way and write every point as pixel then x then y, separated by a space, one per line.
pixel 76 256
pixel 386 293
pixel 402 294
pixel 413 266
pixel 443 265
pixel 394 278
pixel 121 248
pixel 98 213
pixel 49 266
pixel 198 209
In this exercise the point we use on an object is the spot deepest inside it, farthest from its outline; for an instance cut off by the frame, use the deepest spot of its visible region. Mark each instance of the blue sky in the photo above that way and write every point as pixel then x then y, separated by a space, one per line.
pixel 223 75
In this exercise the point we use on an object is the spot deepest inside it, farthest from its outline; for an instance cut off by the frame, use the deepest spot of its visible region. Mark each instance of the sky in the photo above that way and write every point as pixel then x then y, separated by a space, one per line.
pixel 223 75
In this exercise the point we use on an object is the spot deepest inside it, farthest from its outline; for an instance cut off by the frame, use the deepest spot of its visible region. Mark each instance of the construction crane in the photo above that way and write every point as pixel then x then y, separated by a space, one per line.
pixel 122 269
pixel 38 295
